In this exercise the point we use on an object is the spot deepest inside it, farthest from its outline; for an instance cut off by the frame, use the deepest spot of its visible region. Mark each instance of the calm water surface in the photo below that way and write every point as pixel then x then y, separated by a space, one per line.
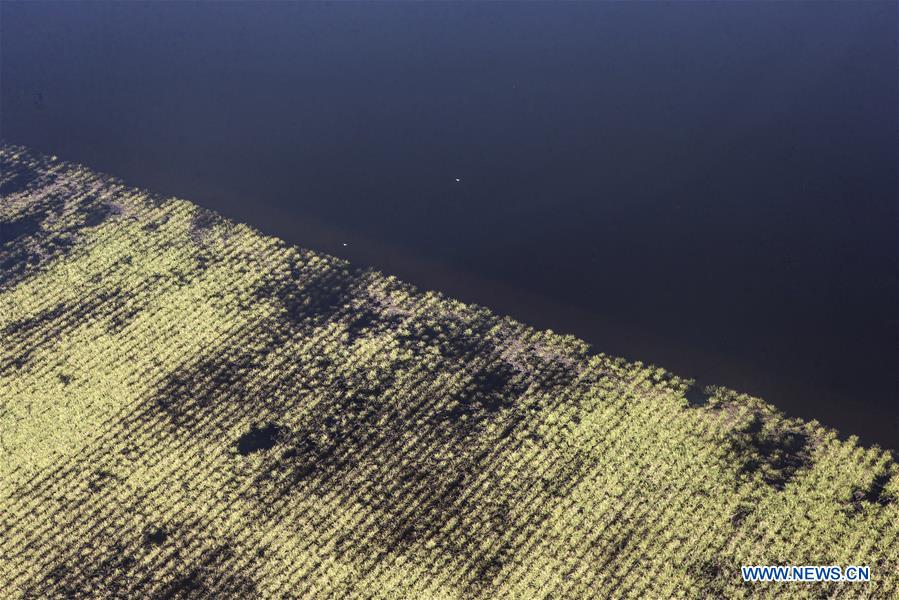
pixel 710 187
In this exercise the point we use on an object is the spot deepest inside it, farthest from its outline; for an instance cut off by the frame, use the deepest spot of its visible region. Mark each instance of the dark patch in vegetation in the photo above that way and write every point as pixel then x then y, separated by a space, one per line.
pixel 564 479
pixel 204 219
pixel 156 224
pixel 15 363
pixel 319 300
pixel 192 388
pixel 202 262
pixel 26 225
pixel 366 321
pixel 324 447
pixel 258 438
pixel 488 567
pixel 874 494
pixel 549 373
pixel 362 321
pixel 25 245
pixel 119 574
pixel 492 388
pixel 305 457
pixel 28 326
pixel 441 491
pixel 108 576
pixel 20 253
pixel 309 299
pixel 616 550
pixel 155 536
pixel 354 422
pixel 201 222
pixel 95 213
pixel 697 395
pixel 351 426
pixel 16 177
pixel 740 515
pixel 16 265
pixel 99 480
pixel 711 573
pixel 222 379
pixel 450 336
pixel 119 320
pixel 211 577
pixel 775 451
pixel 710 570
pixel 52 323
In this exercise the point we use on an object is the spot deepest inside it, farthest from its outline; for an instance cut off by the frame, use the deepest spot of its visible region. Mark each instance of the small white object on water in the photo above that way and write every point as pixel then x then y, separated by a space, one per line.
pixel 344 243
pixel 458 180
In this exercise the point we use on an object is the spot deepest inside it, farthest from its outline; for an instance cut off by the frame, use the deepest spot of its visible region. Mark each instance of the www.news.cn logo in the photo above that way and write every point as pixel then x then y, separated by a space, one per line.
pixel 805 573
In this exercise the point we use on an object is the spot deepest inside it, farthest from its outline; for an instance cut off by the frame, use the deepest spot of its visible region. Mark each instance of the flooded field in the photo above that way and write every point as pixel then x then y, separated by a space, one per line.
pixel 708 187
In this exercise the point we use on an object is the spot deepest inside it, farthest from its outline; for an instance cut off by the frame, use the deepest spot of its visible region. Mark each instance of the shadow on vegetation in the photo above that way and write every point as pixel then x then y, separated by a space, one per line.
pixel 875 494
pixel 155 536
pixel 775 451
pixel 211 576
pixel 697 395
pixel 258 438
pixel 55 322
pixel 362 423
pixel 15 177
pixel 26 225
pixel 31 239
pixel 123 569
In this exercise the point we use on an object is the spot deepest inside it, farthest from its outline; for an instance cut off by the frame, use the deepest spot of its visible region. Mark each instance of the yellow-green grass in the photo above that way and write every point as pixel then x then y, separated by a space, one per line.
pixel 189 408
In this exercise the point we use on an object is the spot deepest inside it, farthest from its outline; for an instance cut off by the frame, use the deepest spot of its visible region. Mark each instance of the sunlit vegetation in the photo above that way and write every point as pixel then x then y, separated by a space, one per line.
pixel 189 408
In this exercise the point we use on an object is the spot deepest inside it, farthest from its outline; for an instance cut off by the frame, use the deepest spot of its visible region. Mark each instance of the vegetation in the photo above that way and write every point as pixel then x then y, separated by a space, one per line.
pixel 189 408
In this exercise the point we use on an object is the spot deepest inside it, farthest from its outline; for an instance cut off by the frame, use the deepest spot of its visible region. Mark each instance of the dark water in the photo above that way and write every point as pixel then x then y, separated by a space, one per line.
pixel 711 187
